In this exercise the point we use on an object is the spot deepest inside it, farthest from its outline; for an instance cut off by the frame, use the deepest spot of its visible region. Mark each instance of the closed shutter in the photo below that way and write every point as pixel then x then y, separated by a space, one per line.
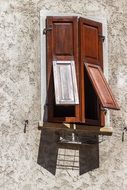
pixel 62 46
pixel 90 33
pixel 91 51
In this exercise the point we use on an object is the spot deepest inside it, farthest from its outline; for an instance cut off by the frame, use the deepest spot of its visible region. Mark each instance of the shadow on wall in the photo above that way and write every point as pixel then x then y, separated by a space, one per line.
pixel 54 155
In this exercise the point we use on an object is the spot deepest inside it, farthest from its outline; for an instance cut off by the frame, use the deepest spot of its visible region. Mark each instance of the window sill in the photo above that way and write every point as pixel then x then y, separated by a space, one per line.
pixel 78 128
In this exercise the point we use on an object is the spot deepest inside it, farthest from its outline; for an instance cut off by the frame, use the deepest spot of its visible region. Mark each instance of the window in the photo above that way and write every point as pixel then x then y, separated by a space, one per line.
pixel 76 44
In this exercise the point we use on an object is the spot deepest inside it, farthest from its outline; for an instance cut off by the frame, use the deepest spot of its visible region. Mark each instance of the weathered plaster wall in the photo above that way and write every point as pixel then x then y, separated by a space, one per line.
pixel 20 100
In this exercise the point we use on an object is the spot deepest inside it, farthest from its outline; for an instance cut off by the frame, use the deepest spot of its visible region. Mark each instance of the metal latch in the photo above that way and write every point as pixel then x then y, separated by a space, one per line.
pixel 46 30
pixel 104 110
pixel 102 37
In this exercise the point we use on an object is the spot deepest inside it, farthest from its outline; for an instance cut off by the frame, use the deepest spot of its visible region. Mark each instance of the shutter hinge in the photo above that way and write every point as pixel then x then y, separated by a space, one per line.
pixel 102 37
pixel 104 110
pixel 46 30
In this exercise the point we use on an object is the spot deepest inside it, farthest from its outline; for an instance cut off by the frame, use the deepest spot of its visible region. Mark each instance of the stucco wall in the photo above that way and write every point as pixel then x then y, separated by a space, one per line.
pixel 59 167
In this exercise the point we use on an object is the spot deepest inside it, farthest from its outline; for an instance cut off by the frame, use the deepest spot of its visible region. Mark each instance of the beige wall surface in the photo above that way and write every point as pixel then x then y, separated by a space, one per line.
pixel 34 160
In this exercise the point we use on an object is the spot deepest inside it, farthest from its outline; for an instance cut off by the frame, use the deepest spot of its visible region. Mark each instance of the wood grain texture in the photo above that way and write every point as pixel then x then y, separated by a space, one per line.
pixel 78 40
pixel 65 83
pixel 62 45
pixel 91 42
pixel 90 50
pixel 101 86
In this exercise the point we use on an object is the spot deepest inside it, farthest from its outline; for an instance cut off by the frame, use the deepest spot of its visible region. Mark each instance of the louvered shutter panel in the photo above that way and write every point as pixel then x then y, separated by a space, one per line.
pixel 62 46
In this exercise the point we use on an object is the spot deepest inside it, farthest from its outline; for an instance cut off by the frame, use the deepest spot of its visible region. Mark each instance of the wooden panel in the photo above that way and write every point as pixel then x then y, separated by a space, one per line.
pixel 62 44
pixel 90 33
pixel 63 32
pixel 64 41
pixel 91 51
pixel 101 86
pixel 90 37
pixel 65 83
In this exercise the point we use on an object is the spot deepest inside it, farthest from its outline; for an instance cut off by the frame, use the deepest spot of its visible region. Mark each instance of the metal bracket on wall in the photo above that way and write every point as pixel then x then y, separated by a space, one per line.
pixel 26 125
pixel 102 37
pixel 46 30
pixel 104 110
pixel 124 130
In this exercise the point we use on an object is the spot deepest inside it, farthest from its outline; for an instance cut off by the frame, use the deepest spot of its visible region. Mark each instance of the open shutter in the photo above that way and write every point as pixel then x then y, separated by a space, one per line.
pixel 62 46
pixel 66 92
pixel 101 86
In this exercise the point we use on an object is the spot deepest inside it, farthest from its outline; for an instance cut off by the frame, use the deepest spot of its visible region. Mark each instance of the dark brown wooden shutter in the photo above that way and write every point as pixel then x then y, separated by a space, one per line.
pixel 91 51
pixel 101 86
pixel 62 45
pixel 90 33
